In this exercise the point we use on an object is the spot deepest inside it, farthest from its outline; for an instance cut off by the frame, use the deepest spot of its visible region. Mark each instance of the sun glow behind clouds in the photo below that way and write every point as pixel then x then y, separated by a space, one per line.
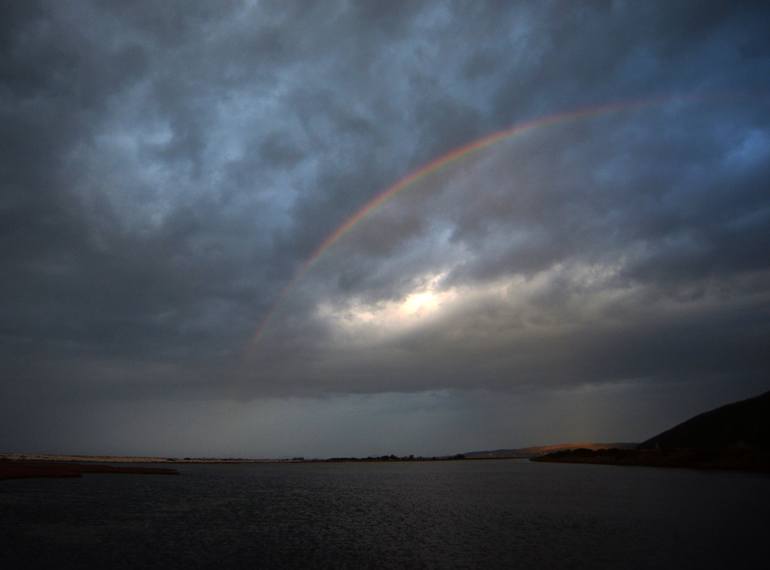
pixel 382 319
pixel 588 289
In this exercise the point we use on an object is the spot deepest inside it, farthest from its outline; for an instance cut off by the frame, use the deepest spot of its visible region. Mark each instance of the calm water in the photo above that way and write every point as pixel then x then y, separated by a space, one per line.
pixel 474 514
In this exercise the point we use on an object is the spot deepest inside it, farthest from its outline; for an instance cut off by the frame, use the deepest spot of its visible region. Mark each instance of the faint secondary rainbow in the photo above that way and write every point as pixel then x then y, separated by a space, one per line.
pixel 434 166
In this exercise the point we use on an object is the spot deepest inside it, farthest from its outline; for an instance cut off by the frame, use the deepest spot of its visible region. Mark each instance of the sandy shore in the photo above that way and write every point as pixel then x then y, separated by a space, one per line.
pixel 34 469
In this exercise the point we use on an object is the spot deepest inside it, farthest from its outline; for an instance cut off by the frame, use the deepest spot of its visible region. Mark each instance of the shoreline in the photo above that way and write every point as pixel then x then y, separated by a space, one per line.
pixel 21 458
pixel 684 458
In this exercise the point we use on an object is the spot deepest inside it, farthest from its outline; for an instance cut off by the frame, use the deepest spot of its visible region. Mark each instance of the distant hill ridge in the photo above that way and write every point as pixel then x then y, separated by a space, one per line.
pixel 528 452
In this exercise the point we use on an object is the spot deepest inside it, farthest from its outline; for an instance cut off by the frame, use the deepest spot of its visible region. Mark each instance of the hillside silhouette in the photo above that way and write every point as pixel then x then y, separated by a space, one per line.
pixel 734 436
pixel 742 425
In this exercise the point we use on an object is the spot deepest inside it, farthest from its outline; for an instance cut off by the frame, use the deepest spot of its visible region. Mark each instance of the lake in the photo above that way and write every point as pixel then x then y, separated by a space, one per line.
pixel 464 514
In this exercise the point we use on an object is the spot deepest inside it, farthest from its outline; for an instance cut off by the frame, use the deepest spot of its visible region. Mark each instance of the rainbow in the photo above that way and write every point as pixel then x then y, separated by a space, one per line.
pixel 414 177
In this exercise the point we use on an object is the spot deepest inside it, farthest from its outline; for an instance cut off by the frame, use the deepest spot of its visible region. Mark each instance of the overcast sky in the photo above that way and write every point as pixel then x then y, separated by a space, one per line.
pixel 168 169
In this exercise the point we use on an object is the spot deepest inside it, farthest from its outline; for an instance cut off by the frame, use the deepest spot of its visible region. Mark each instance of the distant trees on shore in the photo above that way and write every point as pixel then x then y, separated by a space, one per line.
pixel 392 457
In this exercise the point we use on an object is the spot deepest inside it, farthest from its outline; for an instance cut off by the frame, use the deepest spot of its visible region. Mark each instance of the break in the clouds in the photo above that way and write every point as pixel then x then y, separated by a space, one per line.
pixel 169 171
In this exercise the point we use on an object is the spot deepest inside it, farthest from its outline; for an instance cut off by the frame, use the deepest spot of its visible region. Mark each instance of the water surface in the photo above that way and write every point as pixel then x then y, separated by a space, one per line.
pixel 466 514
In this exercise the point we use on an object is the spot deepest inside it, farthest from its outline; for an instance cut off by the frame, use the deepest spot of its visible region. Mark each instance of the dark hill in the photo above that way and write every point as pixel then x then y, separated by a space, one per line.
pixel 744 424
pixel 735 436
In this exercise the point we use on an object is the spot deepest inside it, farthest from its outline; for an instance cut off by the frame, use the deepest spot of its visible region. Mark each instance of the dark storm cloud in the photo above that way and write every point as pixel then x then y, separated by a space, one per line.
pixel 167 169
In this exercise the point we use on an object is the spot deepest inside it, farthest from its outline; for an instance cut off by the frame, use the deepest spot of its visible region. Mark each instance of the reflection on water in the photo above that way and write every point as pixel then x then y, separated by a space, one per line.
pixel 393 515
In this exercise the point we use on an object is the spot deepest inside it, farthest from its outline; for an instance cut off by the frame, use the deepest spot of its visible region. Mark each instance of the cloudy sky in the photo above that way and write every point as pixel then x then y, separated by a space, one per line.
pixel 170 170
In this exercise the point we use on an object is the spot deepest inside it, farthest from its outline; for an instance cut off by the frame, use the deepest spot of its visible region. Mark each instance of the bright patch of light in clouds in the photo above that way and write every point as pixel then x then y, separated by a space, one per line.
pixel 384 319
pixel 432 302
